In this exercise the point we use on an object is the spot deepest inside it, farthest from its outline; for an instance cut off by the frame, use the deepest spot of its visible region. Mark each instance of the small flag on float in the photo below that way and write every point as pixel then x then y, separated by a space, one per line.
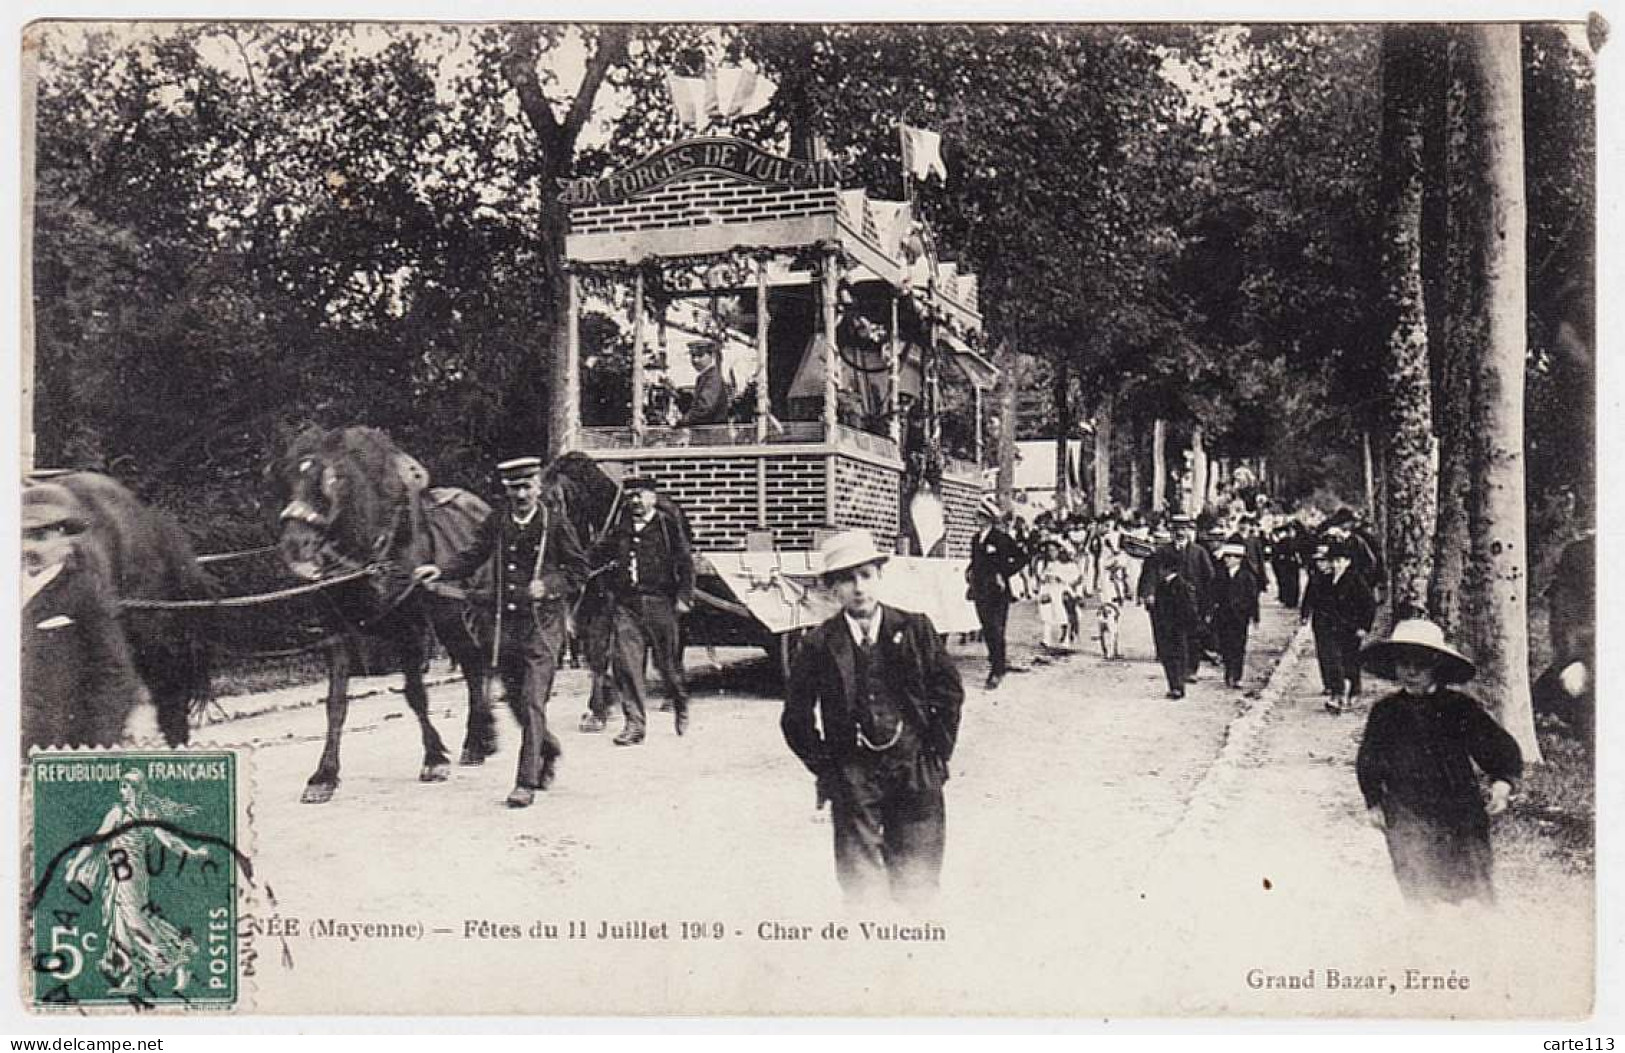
pixel 724 92
pixel 922 153
pixel 688 98
pixel 737 91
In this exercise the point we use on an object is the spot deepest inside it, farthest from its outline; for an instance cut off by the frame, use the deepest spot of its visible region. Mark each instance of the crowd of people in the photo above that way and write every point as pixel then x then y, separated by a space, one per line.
pixel 1199 578
pixel 873 702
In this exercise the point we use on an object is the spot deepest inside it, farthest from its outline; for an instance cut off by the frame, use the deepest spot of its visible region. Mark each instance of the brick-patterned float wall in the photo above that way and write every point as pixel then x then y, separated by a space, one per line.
pixel 866 495
pixel 718 494
pixel 797 499
pixel 700 201
pixel 959 507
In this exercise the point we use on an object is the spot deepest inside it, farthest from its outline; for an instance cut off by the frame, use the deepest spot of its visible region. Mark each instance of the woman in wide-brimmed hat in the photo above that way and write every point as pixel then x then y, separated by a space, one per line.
pixel 1415 766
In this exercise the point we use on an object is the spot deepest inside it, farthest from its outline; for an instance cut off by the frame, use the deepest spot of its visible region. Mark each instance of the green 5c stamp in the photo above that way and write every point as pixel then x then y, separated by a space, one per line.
pixel 136 875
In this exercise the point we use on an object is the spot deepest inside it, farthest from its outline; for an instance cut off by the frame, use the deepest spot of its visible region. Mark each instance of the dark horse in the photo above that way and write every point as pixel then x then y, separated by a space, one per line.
pixel 350 499
pixel 144 555
pixel 574 485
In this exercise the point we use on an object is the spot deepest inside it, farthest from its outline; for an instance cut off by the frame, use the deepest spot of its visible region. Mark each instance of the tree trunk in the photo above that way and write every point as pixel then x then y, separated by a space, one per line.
pixel 1455 343
pixel 1159 465
pixel 1137 448
pixel 1497 572
pixel 1103 455
pixel 1409 489
pixel 1197 495
pixel 553 158
pixel 1060 391
pixel 1009 388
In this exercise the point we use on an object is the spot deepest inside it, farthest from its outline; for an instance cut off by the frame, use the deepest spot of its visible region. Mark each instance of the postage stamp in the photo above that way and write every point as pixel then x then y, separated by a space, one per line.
pixel 135 880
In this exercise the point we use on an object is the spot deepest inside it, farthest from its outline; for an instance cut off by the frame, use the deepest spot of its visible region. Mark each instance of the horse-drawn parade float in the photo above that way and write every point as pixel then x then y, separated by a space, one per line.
pixel 836 319
pixel 835 322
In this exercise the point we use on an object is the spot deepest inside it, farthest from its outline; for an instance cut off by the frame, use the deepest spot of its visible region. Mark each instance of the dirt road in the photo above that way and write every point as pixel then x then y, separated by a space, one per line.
pixel 1074 879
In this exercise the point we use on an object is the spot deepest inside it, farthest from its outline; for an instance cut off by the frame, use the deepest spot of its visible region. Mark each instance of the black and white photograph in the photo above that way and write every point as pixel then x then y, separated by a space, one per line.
pixel 632 519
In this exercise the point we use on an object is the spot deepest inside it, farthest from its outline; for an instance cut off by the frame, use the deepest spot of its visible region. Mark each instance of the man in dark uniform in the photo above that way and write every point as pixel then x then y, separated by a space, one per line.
pixel 994 557
pixel 872 710
pixel 711 397
pixel 79 684
pixel 654 585
pixel 1342 607
pixel 540 567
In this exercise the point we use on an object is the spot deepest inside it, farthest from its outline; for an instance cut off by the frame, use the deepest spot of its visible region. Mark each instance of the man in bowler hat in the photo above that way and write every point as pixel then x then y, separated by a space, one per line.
pixel 540 567
pixel 872 710
pixel 1341 607
pixel 1170 600
pixel 994 557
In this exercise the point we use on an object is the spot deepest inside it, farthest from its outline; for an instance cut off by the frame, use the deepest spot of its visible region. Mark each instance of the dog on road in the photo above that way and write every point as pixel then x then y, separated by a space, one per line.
pixel 1106 619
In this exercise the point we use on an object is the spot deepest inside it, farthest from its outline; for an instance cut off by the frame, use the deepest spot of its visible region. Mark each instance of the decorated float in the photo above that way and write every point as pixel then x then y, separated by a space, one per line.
pixel 833 326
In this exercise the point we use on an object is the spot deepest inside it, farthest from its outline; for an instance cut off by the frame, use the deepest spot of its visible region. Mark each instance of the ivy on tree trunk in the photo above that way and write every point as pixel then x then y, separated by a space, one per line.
pixel 1407 442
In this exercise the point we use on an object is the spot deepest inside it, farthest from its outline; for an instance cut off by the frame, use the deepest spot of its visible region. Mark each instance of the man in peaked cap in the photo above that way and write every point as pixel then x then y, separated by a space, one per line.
pixel 79 684
pixel 872 709
pixel 994 557
pixel 711 396
pixel 654 586
pixel 540 567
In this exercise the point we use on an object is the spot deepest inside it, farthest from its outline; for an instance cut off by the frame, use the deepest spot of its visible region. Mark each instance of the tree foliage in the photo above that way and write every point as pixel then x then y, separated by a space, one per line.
pixel 243 226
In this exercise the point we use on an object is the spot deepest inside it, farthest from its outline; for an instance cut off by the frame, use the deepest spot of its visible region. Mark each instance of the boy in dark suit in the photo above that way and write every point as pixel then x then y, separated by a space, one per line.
pixel 1235 608
pixel 873 711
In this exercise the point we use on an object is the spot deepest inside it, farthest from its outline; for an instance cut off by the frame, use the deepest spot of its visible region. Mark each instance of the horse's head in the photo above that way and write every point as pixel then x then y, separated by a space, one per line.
pixel 335 491
pixel 574 486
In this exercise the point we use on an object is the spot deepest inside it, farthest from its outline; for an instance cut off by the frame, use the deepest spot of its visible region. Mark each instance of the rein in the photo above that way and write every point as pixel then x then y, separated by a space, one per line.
pixel 252 600
pixel 609 520
pixel 227 557
pixel 354 570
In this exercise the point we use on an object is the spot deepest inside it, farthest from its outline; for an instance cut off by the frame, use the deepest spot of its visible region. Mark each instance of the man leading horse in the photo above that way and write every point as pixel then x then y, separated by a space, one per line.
pixel 539 567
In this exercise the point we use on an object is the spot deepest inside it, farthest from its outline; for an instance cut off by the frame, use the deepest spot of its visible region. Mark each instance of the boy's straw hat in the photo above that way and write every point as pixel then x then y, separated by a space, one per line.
pixel 848 549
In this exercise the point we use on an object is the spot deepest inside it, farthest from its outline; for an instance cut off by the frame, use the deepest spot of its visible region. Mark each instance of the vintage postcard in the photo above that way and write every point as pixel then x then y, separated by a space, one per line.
pixel 825 520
